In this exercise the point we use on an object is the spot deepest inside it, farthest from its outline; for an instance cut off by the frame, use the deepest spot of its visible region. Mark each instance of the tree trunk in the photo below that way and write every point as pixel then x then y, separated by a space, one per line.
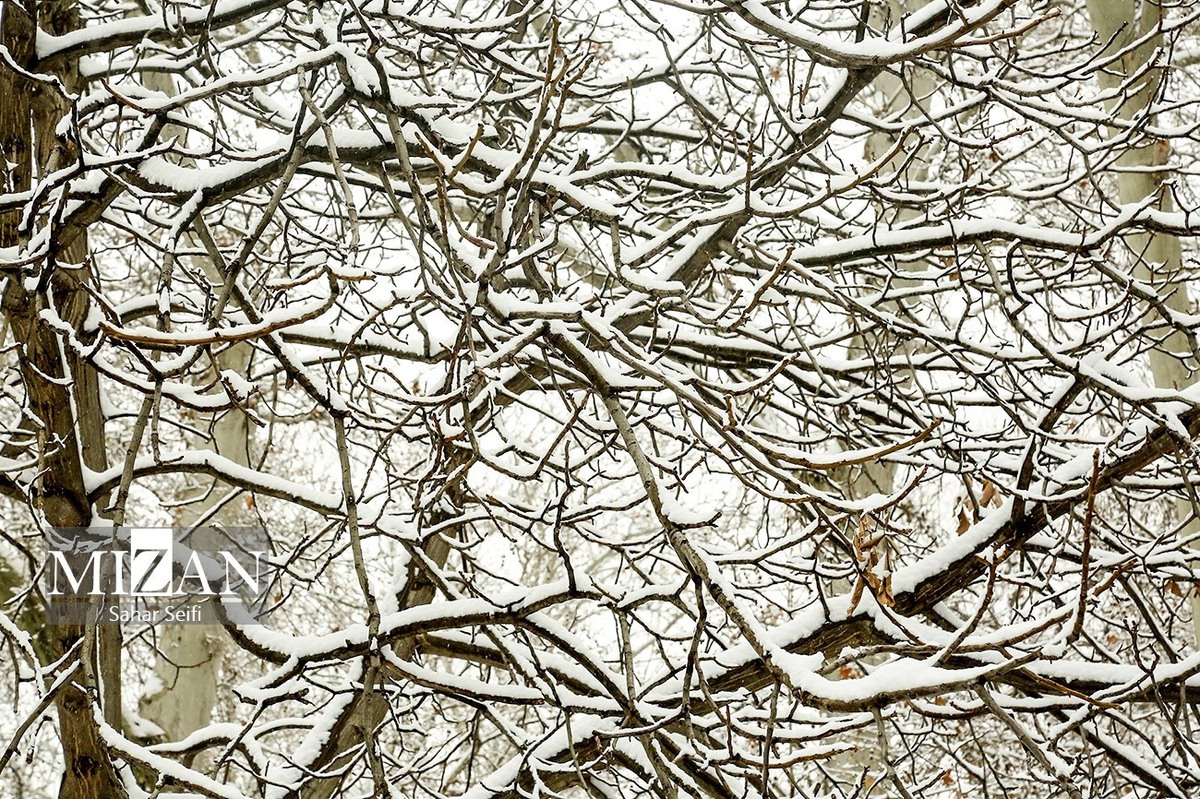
pixel 1157 257
pixel 188 665
pixel 188 661
pixel 62 395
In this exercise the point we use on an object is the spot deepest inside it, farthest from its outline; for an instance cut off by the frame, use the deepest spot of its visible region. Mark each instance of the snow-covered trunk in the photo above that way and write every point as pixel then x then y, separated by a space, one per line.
pixel 188 661
pixel 358 720
pixel 62 392
pixel 1134 31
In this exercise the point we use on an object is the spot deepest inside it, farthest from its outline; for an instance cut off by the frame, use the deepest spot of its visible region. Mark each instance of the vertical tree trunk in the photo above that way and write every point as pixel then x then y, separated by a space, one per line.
pixel 188 665
pixel 188 662
pixel 1157 257
pixel 62 396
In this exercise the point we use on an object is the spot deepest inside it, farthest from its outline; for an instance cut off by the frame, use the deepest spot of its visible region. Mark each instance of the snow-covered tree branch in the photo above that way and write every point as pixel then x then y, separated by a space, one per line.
pixel 641 399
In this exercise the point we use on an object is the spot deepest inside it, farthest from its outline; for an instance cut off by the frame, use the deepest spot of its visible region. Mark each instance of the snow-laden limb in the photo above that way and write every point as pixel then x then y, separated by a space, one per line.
pixel 169 770
pixel 872 51
pixel 921 587
pixel 225 469
pixel 710 393
pixel 129 31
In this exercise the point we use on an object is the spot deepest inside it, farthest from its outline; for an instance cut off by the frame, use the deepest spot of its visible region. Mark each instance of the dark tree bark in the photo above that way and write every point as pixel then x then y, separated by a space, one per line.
pixel 63 397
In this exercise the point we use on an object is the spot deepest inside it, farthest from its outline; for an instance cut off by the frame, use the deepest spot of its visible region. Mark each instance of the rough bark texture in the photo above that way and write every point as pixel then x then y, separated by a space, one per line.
pixel 63 399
